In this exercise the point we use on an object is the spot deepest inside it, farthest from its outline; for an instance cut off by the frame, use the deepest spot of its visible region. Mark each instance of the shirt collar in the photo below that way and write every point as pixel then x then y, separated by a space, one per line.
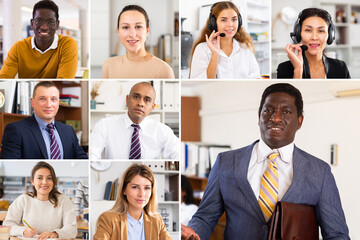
pixel 133 221
pixel 52 46
pixel 128 122
pixel 263 151
pixel 236 48
pixel 42 123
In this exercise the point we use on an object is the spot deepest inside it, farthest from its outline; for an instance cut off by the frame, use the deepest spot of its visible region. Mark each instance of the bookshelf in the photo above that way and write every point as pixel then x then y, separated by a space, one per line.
pixel 112 101
pixel 77 113
pixel 257 24
pixel 14 186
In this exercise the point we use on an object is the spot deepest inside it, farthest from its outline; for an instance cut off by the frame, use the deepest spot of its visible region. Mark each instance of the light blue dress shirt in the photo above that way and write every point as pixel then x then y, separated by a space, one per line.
pixel 135 228
pixel 47 138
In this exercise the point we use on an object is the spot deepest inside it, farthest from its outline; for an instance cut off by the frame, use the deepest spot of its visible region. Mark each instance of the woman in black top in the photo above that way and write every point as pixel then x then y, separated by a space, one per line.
pixel 313 30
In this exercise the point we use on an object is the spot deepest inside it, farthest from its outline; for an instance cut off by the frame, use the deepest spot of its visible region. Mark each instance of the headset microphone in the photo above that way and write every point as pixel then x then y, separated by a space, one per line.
pixel 304 47
pixel 222 35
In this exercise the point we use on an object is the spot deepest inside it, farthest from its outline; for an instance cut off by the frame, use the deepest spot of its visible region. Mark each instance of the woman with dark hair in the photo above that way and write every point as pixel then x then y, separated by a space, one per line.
pixel 133 28
pixel 313 30
pixel 224 49
pixel 188 207
pixel 45 210
pixel 134 213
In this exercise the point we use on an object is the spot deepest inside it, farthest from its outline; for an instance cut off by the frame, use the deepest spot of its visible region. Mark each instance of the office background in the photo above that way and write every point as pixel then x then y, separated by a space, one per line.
pixel 229 116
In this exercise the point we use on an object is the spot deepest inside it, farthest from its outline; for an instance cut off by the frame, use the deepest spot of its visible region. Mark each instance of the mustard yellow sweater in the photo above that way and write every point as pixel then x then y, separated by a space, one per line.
pixel 29 63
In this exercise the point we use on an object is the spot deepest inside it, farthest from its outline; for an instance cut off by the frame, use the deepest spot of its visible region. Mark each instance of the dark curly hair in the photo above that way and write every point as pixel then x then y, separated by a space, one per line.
pixel 286 88
pixel 46 4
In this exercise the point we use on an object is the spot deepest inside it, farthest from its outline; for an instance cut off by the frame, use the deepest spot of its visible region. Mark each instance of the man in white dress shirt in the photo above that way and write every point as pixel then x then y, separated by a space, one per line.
pixel 112 137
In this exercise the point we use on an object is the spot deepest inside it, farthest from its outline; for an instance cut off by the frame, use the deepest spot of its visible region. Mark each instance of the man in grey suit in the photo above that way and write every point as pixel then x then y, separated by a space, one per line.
pixel 236 180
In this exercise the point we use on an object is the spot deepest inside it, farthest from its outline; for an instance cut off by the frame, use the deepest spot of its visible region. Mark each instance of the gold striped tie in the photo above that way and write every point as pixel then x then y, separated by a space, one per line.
pixel 269 187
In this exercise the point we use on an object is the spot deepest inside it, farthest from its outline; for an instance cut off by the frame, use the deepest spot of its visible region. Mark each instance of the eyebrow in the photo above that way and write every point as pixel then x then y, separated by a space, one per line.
pixel 309 26
pixel 141 95
pixel 135 184
pixel 135 23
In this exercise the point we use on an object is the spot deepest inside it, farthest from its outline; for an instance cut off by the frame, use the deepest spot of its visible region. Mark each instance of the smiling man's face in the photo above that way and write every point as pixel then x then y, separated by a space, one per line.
pixel 279 120
pixel 44 24
pixel 140 102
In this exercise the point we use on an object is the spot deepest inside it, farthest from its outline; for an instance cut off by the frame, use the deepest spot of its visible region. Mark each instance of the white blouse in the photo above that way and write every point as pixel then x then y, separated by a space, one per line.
pixel 241 64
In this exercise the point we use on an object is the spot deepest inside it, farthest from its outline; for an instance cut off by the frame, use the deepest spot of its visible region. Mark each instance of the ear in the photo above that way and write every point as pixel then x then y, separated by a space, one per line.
pixel 32 102
pixel 57 24
pixel 127 99
pixel 147 31
pixel 300 121
pixel 31 23
pixel 153 106
pixel 32 181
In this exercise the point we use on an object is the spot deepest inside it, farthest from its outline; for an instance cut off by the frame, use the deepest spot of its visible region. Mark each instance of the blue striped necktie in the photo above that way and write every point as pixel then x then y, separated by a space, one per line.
pixel 135 150
pixel 54 146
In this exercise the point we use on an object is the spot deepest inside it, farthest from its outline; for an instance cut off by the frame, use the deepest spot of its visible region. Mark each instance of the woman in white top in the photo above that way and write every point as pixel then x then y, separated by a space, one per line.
pixel 133 28
pixel 46 211
pixel 224 49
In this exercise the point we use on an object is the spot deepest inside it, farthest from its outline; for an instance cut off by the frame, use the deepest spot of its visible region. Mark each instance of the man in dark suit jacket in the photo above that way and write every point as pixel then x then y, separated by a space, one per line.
pixel 30 138
pixel 235 180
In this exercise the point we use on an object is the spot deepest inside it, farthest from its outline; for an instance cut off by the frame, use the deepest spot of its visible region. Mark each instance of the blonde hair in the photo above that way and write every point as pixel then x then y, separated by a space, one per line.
pixel 121 204
pixel 241 36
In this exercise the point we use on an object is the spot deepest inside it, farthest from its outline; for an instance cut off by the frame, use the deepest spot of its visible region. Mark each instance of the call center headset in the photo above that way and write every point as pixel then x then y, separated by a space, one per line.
pixel 212 20
pixel 296 34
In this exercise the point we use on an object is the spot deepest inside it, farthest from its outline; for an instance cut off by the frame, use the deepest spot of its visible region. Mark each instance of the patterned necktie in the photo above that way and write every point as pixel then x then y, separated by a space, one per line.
pixel 135 151
pixel 54 146
pixel 269 187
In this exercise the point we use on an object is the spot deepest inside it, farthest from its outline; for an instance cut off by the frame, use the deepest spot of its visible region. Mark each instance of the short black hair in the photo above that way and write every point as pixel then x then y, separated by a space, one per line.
pixel 285 88
pixel 46 4
pixel 134 8
pixel 315 12
pixel 186 187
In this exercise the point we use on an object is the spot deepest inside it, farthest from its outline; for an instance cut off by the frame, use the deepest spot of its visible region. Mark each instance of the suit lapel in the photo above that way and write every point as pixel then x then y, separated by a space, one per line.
pixel 299 171
pixel 241 168
pixel 123 226
pixel 35 129
pixel 147 226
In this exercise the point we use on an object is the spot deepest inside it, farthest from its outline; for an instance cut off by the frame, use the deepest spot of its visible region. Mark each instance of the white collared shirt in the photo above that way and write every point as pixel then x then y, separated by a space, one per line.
pixel 241 63
pixel 259 162
pixel 52 46
pixel 135 228
pixel 112 138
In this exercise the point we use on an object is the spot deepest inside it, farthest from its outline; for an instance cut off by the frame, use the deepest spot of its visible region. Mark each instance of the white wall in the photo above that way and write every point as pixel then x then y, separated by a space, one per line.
pixel 229 116
pixel 62 168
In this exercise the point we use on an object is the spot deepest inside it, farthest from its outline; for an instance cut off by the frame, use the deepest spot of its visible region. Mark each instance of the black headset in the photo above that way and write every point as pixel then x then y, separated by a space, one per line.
pixel 212 20
pixel 296 34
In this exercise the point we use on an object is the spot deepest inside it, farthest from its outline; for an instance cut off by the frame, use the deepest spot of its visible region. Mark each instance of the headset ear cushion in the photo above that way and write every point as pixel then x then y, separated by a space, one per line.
pixel 212 23
pixel 331 36
pixel 239 21
pixel 297 31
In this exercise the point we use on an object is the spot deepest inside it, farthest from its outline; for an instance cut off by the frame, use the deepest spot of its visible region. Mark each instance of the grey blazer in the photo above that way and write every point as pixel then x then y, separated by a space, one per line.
pixel 229 190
